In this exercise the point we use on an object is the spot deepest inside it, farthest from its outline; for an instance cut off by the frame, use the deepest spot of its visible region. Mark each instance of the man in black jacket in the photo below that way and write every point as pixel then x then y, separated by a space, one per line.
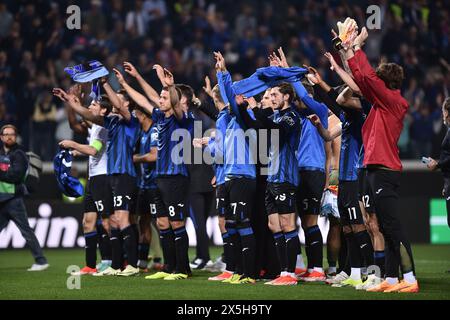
pixel 13 168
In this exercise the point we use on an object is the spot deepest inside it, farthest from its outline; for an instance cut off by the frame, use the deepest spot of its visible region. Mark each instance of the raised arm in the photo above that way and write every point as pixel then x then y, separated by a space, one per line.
pixel 112 95
pixel 75 104
pixel 74 124
pixel 149 91
pixel 313 106
pixel 123 111
pixel 249 122
pixel 140 99
pixel 226 90
pixel 326 93
pixel 164 75
pixel 347 78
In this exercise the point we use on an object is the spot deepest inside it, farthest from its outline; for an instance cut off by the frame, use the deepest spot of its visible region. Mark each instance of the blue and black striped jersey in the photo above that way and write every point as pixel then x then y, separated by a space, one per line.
pixel 149 139
pixel 123 136
pixel 351 144
pixel 283 166
pixel 172 134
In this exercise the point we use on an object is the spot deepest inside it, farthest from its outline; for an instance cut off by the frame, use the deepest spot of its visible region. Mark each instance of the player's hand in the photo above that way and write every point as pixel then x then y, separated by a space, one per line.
pixel 251 102
pixel 164 75
pixel 200 142
pixel 239 99
pixel 60 93
pixel 348 31
pixel 213 181
pixel 207 88
pixel 220 62
pixel 313 75
pixel 76 153
pixel 432 164
pixel 361 38
pixel 283 59
pixel 274 61
pixel 333 63
pixel 66 144
pixel 130 69
pixel 196 101
pixel 76 90
pixel 119 76
pixel 197 142
pixel 315 120
pixel 168 78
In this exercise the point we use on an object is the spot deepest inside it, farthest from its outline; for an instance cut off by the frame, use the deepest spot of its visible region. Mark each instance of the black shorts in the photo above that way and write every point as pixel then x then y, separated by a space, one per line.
pixel 149 202
pixel 241 195
pixel 88 201
pixel 365 194
pixel 174 192
pixel 98 198
pixel 383 184
pixel 348 203
pixel 309 192
pixel 123 189
pixel 222 203
pixel 280 198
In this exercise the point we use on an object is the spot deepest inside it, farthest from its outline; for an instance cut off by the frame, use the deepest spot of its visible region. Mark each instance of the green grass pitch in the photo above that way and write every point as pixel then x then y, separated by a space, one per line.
pixel 16 283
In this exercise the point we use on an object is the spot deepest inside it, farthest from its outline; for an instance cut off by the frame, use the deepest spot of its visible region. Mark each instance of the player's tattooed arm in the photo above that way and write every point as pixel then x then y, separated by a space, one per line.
pixel 75 104
pixel 149 91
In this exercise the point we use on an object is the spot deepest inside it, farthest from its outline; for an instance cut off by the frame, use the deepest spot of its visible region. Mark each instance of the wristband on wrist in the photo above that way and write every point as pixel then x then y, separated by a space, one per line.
pixel 337 43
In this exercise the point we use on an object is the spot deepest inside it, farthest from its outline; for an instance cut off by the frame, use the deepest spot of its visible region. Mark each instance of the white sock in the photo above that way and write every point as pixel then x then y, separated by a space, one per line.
pixel 292 274
pixel 332 269
pixel 392 280
pixel 355 274
pixel 284 273
pixel 318 269
pixel 300 263
pixel 310 270
pixel 107 261
pixel 409 277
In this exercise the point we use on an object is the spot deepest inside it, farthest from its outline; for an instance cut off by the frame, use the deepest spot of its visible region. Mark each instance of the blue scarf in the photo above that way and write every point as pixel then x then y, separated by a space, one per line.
pixel 62 164
pixel 267 77
pixel 86 72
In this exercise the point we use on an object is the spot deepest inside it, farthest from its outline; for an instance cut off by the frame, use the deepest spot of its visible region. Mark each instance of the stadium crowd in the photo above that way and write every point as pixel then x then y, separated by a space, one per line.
pixel 36 45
